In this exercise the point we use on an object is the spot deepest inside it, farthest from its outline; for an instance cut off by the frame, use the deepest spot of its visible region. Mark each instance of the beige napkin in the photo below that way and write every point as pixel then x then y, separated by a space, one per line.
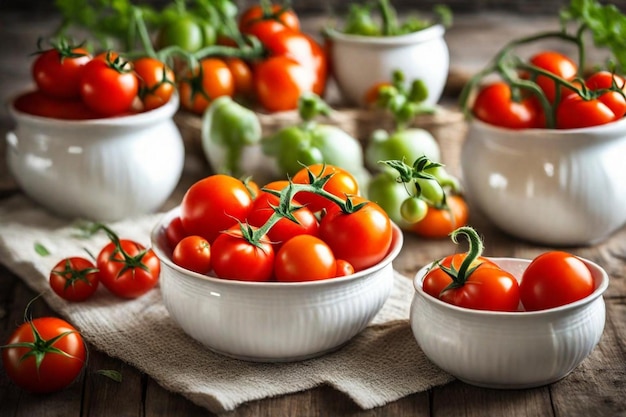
pixel 380 365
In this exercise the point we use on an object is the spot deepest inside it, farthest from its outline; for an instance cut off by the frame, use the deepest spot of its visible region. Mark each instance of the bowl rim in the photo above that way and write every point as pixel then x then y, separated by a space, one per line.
pixel 159 228
pixel 165 111
pixel 597 292
pixel 433 31
pixel 560 133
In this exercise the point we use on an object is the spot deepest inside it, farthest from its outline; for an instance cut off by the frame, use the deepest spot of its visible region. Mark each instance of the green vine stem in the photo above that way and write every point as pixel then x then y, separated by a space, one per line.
pixel 476 248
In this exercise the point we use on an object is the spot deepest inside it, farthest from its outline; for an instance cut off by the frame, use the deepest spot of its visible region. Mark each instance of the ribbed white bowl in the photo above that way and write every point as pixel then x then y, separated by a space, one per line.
pixel 272 321
pixel 101 169
pixel 509 349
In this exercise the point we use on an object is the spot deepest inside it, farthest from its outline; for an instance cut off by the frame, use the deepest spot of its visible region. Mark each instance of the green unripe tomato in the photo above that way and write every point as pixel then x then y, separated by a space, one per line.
pixel 430 190
pixel 187 33
pixel 403 145
pixel 413 209
pixel 384 190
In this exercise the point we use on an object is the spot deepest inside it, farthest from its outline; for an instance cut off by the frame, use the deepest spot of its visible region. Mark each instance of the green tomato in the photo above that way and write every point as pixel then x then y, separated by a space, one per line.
pixel 404 145
pixel 413 209
pixel 430 190
pixel 445 179
pixel 389 194
pixel 187 33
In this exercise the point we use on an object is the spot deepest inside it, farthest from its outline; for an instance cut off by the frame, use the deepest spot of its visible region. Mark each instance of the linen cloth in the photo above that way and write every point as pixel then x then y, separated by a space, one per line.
pixel 380 365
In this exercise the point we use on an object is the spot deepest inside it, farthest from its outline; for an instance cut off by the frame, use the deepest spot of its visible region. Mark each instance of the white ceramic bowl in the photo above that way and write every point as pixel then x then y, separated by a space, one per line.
pixel 509 349
pixel 100 169
pixel 359 62
pixel 549 186
pixel 272 321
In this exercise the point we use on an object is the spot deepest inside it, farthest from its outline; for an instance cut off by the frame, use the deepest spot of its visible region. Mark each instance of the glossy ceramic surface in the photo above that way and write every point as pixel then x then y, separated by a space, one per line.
pixel 512 349
pixel 272 322
pixel 101 169
pixel 360 62
pixel 554 187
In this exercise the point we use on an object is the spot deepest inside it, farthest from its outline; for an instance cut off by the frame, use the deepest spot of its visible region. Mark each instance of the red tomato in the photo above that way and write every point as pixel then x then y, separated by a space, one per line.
pixel 279 81
pixel 304 258
pixel 40 104
pixel 57 71
pixel 436 279
pixel 212 79
pixel 61 346
pixel 341 184
pixel 344 268
pixel 214 204
pixel 236 258
pixel 193 253
pixel 495 106
pixel 556 63
pixel 74 279
pixel 277 13
pixel 362 238
pixel 614 100
pixel 242 76
pixel 156 80
pixel 128 271
pixel 440 222
pixel 284 229
pixel 575 112
pixel 553 279
pixel 174 232
pixel 109 86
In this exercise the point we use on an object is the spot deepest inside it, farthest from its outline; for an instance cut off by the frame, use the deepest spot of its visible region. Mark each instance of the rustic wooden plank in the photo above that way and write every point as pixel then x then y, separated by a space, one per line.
pixel 162 403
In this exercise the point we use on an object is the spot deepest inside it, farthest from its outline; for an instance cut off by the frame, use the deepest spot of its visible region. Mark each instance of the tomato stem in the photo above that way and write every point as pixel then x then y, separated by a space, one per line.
pixel 476 247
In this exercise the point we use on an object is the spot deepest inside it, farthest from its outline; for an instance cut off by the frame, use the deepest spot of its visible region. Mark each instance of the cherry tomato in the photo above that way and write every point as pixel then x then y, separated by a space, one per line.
pixel 156 80
pixel 614 100
pixel 212 79
pixel 74 278
pixel 61 346
pixel 576 112
pixel 553 279
pixel 242 76
pixel 174 232
pixel 109 86
pixel 279 81
pixel 556 63
pixel 193 253
pixel 128 270
pixel 341 184
pixel 440 222
pixel 278 13
pixel 494 105
pixel 214 204
pixel 57 71
pixel 236 258
pixel 344 268
pixel 304 258
pixel 186 32
pixel 413 209
pixel 436 279
pixel 37 103
pixel 362 237
pixel 284 229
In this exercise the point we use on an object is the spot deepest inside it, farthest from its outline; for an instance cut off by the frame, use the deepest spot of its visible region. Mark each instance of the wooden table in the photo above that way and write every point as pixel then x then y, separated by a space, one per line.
pixel 595 388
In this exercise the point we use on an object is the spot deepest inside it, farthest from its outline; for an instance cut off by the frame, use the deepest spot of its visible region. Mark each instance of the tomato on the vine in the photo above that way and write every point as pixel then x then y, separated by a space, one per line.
pixel 279 81
pixel 576 112
pixel 186 32
pixel 556 63
pixel 614 99
pixel 440 222
pixel 553 279
pixel 44 355
pixel 362 237
pixel 242 76
pixel 304 258
pixel 109 86
pixel 127 268
pixel 341 184
pixel 57 71
pixel 236 258
pixel 193 253
pixel 494 104
pixel 156 82
pixel 74 278
pixel 214 204
pixel 277 13
pixel 436 279
pixel 210 80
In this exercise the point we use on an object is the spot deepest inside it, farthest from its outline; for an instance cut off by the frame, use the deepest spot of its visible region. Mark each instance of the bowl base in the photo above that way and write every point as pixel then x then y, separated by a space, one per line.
pixel 512 386
pixel 277 359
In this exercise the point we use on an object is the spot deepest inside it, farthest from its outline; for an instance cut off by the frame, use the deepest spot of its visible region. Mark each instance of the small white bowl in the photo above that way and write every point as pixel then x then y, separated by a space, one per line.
pixel 510 350
pixel 359 62
pixel 549 186
pixel 272 321
pixel 99 169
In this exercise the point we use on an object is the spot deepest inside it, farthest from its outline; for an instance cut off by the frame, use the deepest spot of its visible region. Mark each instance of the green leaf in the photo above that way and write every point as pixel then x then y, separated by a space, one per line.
pixel 41 249
pixel 109 373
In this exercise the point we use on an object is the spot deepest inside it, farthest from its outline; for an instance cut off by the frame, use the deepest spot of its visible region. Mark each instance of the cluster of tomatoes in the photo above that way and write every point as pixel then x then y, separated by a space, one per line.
pixel 551 279
pixel 285 231
pixel 574 102
pixel 72 84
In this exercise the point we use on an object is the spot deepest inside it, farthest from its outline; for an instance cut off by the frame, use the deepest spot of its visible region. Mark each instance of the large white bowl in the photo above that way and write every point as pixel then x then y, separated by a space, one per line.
pixel 509 349
pixel 100 169
pixel 272 321
pixel 359 62
pixel 549 186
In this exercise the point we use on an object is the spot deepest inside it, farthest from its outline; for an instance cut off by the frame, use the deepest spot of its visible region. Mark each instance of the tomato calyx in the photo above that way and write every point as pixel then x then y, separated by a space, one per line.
pixel 468 266
pixel 73 275
pixel 63 47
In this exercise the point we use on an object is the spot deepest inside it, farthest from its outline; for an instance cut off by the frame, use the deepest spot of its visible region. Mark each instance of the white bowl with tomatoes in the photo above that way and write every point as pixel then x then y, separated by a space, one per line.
pixel 554 319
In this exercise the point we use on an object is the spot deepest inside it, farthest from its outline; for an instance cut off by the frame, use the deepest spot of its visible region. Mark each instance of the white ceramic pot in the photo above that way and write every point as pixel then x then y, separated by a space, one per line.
pixel 100 169
pixel 359 62
pixel 509 349
pixel 272 321
pixel 549 186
